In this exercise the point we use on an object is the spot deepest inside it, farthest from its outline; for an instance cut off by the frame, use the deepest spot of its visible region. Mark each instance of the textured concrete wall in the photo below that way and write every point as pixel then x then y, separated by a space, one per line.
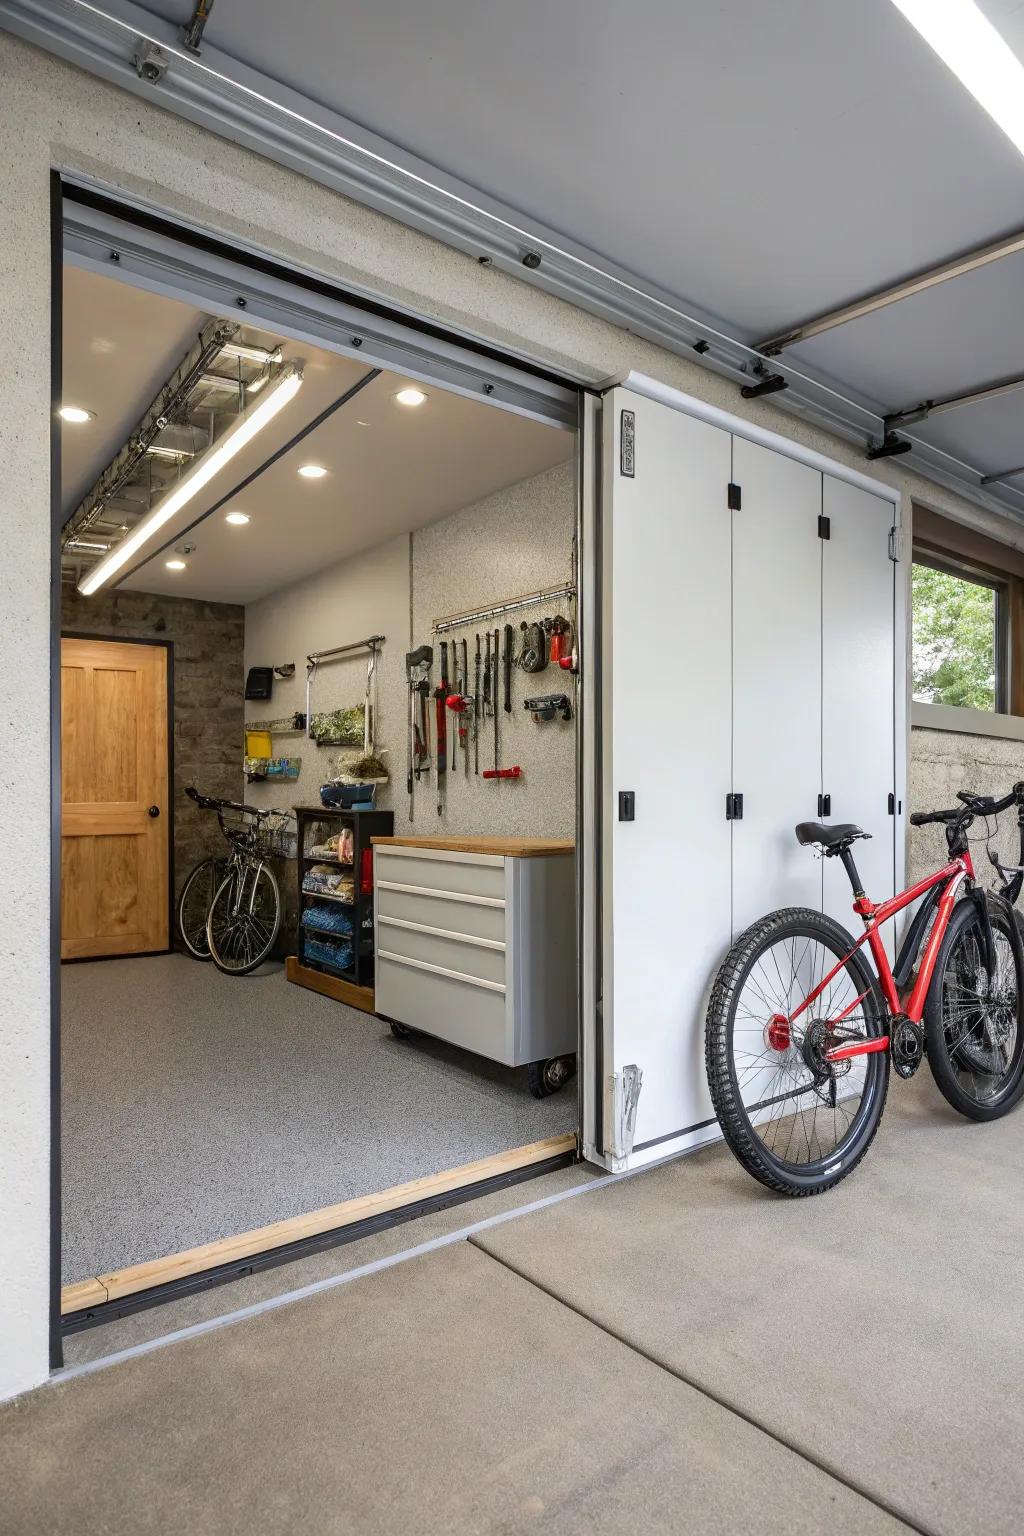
pixel 208 655
pixel 54 115
pixel 942 762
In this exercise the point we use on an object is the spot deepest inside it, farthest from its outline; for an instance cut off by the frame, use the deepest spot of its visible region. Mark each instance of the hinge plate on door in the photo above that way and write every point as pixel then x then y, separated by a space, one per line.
pixel 734 497
pixel 824 805
pixel 627 444
pixel 896 543
pixel 824 526
pixel 734 807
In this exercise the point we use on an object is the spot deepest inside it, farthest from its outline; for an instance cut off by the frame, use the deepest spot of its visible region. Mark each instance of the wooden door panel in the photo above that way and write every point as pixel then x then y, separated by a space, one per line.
pixel 114 768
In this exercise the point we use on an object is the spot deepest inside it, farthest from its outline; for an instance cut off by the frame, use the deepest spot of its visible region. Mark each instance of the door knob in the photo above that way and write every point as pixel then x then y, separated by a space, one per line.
pixel 154 810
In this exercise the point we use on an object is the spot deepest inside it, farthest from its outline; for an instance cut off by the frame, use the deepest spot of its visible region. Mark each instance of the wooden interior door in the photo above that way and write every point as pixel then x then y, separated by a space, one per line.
pixel 114 815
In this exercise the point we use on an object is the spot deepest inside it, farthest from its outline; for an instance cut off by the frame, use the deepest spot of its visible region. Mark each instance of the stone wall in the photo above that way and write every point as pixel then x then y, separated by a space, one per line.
pixel 942 762
pixel 207 641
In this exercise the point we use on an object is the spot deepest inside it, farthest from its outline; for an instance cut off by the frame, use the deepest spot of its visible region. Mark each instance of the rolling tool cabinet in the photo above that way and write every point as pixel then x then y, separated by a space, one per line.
pixel 476 943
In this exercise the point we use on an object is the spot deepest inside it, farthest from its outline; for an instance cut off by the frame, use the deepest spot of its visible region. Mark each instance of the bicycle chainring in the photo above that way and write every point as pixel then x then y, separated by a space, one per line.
pixel 906 1046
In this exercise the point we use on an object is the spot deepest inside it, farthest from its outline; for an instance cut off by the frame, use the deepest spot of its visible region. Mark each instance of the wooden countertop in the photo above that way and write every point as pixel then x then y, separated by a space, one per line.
pixel 511 847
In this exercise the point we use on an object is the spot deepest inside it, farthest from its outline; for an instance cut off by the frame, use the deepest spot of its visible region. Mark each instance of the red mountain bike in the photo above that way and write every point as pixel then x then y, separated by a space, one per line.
pixel 801 1030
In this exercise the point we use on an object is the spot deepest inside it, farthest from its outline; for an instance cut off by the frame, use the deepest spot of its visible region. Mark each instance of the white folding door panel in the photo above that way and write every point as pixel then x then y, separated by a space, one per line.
pixel 776 680
pixel 666 716
pixel 858 634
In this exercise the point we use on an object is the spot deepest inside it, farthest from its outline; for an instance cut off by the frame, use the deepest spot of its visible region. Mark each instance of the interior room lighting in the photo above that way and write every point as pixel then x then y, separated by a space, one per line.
pixel 238 519
pixel 175 565
pixel 967 42
pixel 410 396
pixel 312 471
pixel 199 474
pixel 76 414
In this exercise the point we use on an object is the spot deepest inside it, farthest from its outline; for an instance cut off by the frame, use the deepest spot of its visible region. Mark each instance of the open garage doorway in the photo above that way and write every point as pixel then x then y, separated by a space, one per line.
pixel 319 630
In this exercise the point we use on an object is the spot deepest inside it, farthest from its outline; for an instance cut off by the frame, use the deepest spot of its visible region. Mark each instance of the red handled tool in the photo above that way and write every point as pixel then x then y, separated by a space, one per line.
pixel 460 704
pixel 503 773
pixel 440 698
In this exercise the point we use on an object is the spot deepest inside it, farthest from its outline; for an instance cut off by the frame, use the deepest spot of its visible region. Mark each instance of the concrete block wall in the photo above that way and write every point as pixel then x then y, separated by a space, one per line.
pixel 942 762
pixel 208 641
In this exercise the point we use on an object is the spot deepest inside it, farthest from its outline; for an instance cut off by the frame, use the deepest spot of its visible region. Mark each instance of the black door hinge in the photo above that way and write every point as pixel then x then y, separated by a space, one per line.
pixel 734 807
pixel 627 444
pixel 824 805
pixel 824 526
pixel 735 499
pixel 894 804
pixel 627 805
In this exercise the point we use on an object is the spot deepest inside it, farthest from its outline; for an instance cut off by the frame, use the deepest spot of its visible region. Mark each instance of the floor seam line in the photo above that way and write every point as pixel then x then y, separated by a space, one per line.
pixel 912 1524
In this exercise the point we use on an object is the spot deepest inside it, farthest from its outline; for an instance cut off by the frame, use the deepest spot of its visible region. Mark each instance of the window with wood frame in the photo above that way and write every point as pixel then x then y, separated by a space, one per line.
pixel 967 618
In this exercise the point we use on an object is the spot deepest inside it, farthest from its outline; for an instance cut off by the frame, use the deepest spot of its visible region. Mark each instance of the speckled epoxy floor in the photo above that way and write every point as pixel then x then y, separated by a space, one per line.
pixel 197 1105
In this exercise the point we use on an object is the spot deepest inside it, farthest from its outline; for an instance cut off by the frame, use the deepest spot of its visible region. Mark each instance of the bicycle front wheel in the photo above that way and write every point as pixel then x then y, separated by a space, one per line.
pixel 796 1121
pixel 194 905
pixel 245 916
pixel 973 1016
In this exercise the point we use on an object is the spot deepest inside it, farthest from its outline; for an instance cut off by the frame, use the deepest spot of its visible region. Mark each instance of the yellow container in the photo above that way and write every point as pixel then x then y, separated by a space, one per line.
pixel 259 744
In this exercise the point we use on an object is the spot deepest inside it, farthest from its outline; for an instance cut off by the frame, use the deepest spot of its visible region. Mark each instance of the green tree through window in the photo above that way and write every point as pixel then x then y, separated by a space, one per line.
pixel 955 629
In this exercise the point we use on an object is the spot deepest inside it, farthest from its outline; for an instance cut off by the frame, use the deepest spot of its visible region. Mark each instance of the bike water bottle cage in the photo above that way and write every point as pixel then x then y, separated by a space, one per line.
pixel 831 840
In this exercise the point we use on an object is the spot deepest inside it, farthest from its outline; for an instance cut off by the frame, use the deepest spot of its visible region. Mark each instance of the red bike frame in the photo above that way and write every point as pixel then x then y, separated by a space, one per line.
pixel 953 874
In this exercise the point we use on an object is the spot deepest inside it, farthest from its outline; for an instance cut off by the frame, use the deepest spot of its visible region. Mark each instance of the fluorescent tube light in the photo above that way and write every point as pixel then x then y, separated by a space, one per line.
pixel 251 354
pixel 200 473
pixel 160 452
pixel 981 59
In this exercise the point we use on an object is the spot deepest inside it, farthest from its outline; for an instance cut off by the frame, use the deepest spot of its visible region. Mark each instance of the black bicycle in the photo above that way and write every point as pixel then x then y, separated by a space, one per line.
pixel 229 910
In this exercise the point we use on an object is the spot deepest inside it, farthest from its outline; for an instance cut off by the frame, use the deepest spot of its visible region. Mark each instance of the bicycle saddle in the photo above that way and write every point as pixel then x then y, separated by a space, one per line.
pixel 833 839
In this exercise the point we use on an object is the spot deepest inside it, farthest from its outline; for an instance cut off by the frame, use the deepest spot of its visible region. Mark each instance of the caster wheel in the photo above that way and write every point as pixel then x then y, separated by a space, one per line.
pixel 547 1077
pixel 401 1031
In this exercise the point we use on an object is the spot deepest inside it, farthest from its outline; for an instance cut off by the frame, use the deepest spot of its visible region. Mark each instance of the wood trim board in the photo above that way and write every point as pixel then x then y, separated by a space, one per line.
pixel 504 847
pixel 330 986
pixel 116 1284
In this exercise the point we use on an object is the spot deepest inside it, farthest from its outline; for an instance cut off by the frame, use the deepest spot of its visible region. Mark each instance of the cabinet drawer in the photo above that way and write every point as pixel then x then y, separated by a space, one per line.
pixel 484 960
pixel 443 910
pixel 465 1013
pixel 466 874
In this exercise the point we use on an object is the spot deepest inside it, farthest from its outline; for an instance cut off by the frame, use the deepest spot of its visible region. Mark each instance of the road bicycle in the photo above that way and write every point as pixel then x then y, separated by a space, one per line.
pixel 801 1030
pixel 229 910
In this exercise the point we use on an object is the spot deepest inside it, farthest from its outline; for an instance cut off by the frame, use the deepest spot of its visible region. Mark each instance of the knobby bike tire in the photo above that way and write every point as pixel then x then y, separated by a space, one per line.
pixel 251 964
pixel 733 1116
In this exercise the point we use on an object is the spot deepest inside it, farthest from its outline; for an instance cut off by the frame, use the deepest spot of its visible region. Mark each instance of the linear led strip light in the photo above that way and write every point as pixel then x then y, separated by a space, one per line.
pixel 978 55
pixel 191 483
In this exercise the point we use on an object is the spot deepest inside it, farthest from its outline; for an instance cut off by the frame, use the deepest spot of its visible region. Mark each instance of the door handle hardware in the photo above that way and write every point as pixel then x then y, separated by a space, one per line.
pixel 154 810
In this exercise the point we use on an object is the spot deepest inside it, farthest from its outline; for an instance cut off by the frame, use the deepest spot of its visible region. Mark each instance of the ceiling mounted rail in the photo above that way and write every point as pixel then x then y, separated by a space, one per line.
pixel 252 109
pixel 929 408
pixel 1004 474
pixel 895 293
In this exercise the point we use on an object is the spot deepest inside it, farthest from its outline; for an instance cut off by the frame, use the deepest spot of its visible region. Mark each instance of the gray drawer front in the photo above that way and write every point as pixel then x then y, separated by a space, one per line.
pixel 475 916
pixel 468 1015
pixel 468 956
pixel 468 874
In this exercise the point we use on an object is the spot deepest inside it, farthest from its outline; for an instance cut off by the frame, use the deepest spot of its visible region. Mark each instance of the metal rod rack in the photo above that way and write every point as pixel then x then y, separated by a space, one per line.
pixel 460 620
pixel 372 644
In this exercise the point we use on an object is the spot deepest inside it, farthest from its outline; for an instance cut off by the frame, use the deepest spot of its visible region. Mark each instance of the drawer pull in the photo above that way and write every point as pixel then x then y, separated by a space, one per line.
pixel 427 890
pixel 441 933
pixel 441 970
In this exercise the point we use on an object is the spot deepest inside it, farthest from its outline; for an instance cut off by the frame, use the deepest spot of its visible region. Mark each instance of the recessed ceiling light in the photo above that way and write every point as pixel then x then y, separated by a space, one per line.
pixel 238 518
pixel 312 471
pixel 362 423
pixel 175 565
pixel 410 396
pixel 76 414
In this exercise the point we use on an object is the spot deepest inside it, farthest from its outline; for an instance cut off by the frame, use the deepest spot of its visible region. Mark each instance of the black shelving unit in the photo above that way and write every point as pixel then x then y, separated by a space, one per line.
pixel 314 825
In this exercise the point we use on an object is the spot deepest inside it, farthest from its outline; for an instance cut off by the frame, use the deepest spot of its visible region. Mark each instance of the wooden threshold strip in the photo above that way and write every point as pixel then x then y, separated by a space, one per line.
pixel 226 1250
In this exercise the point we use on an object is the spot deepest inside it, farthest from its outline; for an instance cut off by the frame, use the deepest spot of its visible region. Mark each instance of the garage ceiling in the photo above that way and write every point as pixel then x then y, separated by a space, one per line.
pixel 390 468
pixel 756 161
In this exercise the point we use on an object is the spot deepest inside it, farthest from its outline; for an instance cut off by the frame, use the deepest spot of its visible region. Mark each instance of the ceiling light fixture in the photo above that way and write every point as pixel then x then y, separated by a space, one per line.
pixel 200 472
pixel 238 519
pixel 967 42
pixel 159 451
pixel 251 354
pixel 410 396
pixel 254 387
pixel 76 414
pixel 312 471
pixel 175 565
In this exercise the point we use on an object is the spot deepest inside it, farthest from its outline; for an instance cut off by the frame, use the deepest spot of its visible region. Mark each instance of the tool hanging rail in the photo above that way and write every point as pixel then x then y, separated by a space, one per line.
pixel 371 645
pixel 460 620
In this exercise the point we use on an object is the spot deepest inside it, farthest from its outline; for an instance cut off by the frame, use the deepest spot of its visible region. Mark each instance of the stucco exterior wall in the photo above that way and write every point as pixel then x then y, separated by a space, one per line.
pixel 52 115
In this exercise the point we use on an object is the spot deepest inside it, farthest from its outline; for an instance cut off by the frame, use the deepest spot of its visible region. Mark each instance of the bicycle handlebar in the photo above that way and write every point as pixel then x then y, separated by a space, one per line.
pixel 207 803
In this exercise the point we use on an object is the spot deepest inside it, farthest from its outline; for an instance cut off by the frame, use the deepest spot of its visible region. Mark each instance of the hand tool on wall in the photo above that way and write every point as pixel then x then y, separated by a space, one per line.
pixel 494 693
pixel 503 773
pixel 476 709
pixel 546 706
pixel 440 700
pixel 418 664
pixel 460 704
pixel 464 724
pixel 507 662
pixel 487 710
pixel 533 650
